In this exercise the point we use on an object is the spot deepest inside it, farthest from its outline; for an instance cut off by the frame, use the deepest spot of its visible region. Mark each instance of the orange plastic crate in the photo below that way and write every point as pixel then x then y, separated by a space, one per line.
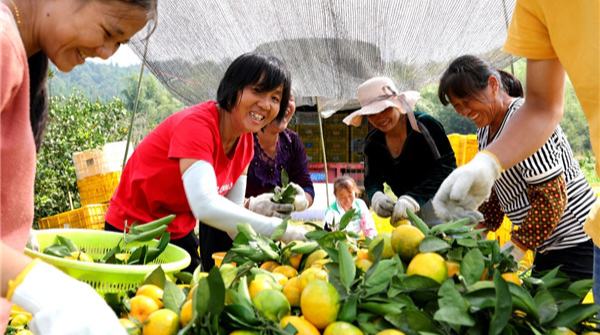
pixel 88 217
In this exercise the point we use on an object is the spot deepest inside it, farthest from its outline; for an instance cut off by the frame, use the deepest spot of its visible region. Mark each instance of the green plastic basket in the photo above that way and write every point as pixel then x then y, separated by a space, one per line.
pixel 106 278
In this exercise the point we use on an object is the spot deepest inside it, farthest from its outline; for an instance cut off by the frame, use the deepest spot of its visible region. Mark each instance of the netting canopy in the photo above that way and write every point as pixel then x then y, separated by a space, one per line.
pixel 330 46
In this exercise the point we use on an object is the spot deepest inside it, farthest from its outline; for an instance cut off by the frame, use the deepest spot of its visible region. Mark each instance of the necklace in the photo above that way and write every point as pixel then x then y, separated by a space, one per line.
pixel 18 16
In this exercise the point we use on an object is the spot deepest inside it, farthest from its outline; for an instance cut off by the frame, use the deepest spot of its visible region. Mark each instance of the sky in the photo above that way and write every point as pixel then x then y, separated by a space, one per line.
pixel 123 57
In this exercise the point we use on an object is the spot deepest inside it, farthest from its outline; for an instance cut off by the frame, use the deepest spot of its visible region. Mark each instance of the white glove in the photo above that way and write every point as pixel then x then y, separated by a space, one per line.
pixel 264 205
pixel 382 205
pixel 404 202
pixel 517 253
pixel 32 241
pixel 63 305
pixel 300 201
pixel 294 233
pixel 466 188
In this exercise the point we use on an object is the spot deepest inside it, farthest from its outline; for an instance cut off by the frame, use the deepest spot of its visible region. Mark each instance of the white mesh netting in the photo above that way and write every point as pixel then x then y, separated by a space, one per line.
pixel 330 46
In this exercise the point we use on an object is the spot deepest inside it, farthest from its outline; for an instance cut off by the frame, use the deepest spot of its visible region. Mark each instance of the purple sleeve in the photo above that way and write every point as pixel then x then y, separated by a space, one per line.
pixel 298 166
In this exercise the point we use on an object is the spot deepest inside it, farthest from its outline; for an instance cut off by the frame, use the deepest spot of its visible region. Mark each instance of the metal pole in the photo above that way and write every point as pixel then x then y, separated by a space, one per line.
pixel 323 148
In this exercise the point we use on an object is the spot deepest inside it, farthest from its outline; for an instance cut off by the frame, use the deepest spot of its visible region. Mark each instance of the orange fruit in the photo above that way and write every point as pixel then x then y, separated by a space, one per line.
pixel 320 303
pixel 302 326
pixel 315 256
pixel 291 290
pixel 162 322
pixel 191 293
pixel 24 332
pixel 320 263
pixel 362 254
pixel 512 277
pixel 406 240
pixel 363 264
pixel 286 270
pixel 428 264
pixel 281 279
pixel 453 268
pixel 341 327
pixel 309 275
pixel 258 285
pixel 388 251
pixel 244 332
pixel 399 223
pixel 80 256
pixel 186 313
pixel 151 291
pixel 269 265
pixel 390 332
pixel 128 325
pixel 19 320
pixel 272 304
pixel 294 260
pixel 141 307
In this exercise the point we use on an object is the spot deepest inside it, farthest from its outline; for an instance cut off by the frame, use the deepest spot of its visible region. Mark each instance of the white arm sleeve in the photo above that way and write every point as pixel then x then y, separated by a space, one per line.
pixel 238 191
pixel 200 184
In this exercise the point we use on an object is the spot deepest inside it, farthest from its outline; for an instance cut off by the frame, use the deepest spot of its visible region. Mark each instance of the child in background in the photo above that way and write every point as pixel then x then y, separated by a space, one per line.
pixel 345 191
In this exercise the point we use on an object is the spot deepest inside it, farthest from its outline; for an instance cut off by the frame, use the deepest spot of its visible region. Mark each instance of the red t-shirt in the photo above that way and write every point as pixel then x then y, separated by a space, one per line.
pixel 151 186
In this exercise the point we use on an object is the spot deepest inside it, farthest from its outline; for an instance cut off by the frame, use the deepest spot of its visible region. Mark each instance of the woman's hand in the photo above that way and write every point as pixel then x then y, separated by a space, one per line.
pixel 382 205
pixel 264 205
pixel 300 201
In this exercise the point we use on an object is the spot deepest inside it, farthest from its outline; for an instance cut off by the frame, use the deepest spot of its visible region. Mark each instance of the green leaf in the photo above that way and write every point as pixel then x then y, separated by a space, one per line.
pixel 173 297
pixel 450 225
pixel 305 248
pixel 523 301
pixel 285 178
pixel 201 297
pixel 574 315
pixel 67 243
pixel 382 274
pixel 418 222
pixel 481 298
pixel 347 266
pixel 472 266
pixel 380 308
pixel 454 315
pixel 503 306
pixel 346 218
pixel 466 242
pixel 184 277
pixel 433 244
pixel 156 277
pixel 449 296
pixel 57 250
pixel 410 321
pixel 582 287
pixel 546 306
pixel 348 310
pixel 246 230
pixel 280 230
pixel 217 291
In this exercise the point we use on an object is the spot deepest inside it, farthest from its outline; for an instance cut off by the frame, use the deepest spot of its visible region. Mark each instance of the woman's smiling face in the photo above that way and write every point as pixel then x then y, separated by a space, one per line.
pixel 256 109
pixel 385 120
pixel 74 30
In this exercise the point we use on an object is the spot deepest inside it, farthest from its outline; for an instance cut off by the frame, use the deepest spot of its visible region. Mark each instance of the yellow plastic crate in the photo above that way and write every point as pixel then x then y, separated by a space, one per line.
pixel 98 189
pixel 471 148
pixel 88 217
pixel 457 141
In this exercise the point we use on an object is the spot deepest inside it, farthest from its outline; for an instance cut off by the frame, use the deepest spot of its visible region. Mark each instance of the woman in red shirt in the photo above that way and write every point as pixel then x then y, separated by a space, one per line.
pixel 194 164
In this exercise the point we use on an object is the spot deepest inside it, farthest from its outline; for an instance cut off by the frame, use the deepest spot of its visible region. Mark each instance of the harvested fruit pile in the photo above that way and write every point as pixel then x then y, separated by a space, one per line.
pixel 414 280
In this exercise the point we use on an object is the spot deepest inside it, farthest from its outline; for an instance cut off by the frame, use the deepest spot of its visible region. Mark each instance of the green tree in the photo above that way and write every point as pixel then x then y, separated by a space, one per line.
pixel 76 124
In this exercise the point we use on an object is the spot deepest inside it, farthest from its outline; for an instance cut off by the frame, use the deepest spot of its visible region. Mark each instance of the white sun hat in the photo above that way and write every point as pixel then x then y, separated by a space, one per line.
pixel 376 95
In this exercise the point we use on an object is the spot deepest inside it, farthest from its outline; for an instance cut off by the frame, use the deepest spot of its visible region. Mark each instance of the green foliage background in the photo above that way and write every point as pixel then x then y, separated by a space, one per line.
pixel 78 123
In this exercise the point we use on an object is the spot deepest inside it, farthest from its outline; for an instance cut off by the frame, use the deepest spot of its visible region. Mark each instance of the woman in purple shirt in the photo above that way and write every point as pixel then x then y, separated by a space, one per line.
pixel 277 148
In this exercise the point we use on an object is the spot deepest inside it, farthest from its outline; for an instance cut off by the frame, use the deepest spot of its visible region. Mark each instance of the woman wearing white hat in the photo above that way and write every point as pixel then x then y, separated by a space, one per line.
pixel 408 151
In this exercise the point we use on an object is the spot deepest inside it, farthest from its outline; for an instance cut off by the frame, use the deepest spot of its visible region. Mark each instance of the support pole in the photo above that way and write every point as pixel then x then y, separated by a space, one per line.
pixel 323 148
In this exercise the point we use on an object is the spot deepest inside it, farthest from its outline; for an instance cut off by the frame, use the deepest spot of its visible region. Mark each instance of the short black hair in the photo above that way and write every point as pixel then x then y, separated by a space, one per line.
pixel 468 75
pixel 266 71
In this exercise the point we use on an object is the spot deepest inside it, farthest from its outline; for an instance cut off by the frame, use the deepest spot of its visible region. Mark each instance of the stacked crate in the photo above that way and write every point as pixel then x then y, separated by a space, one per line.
pixel 98 173
pixel 336 138
pixel 307 127
pixel 357 139
pixel 465 147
